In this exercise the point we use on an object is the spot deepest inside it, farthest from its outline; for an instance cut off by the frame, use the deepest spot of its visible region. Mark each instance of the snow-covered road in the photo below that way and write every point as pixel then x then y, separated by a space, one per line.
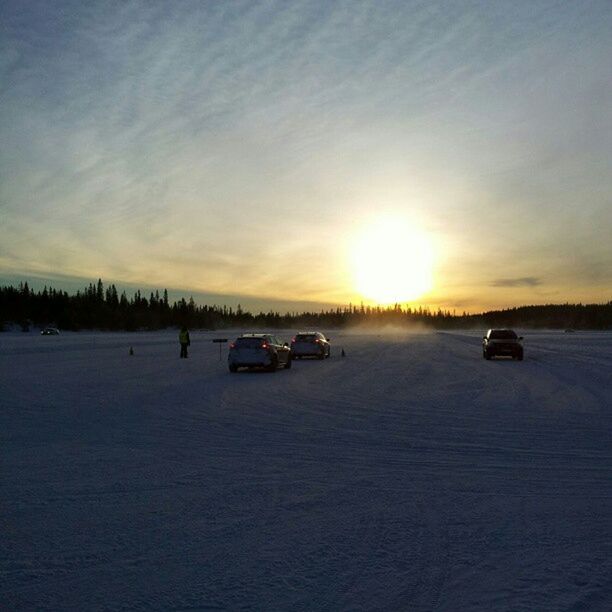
pixel 410 475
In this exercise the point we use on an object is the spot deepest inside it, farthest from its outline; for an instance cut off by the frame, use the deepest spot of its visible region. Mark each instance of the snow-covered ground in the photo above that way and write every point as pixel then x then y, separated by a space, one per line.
pixel 410 475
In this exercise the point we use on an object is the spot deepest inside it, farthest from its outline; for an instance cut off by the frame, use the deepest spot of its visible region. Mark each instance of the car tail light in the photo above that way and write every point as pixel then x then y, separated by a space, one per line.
pixel 233 345
pixel 265 345
pixel 317 341
pixel 293 340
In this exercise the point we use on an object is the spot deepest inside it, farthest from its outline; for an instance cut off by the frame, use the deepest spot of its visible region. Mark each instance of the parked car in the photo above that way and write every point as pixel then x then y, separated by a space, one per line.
pixel 258 350
pixel 498 342
pixel 50 331
pixel 310 344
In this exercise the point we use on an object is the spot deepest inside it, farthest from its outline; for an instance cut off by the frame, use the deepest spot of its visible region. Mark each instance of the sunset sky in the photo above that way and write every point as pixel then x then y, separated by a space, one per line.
pixel 258 151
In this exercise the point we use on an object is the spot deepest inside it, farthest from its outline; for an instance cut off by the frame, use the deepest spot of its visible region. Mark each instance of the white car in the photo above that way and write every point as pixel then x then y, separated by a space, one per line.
pixel 310 344
pixel 258 350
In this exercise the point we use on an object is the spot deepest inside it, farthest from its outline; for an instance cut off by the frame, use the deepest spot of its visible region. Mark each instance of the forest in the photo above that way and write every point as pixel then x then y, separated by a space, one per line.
pixel 103 308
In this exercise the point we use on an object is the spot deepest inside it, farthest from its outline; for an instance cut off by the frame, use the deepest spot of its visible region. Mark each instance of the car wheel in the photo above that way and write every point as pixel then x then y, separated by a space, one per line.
pixel 273 364
pixel 232 368
pixel 288 364
pixel 520 356
pixel 487 355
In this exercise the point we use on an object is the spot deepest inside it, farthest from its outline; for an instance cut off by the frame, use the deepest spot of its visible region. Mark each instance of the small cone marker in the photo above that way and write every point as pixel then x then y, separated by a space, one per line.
pixel 343 354
pixel 131 351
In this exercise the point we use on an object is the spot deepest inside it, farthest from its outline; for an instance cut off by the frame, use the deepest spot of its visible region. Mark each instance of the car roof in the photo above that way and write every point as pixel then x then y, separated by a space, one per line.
pixel 254 335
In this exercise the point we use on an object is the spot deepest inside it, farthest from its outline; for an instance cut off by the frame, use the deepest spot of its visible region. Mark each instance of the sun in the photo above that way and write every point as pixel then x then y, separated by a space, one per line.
pixel 392 262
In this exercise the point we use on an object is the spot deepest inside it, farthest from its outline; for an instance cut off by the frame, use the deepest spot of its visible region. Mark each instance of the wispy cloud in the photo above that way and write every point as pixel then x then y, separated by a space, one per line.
pixel 219 145
pixel 526 281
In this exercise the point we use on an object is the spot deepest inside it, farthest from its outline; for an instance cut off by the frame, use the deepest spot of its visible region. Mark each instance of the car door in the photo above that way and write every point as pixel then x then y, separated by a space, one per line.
pixel 282 351
pixel 323 342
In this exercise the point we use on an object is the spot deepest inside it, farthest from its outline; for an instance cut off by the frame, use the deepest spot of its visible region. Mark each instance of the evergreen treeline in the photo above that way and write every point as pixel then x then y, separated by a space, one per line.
pixel 97 307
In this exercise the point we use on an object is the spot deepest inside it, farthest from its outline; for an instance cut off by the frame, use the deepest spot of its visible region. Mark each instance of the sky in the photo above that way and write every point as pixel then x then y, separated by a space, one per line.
pixel 241 151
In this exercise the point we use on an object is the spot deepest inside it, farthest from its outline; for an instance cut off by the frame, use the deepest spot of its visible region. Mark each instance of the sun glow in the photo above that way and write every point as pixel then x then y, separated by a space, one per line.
pixel 392 262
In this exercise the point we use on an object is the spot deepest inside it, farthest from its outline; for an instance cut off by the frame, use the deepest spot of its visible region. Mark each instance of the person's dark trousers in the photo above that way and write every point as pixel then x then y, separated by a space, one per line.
pixel 183 351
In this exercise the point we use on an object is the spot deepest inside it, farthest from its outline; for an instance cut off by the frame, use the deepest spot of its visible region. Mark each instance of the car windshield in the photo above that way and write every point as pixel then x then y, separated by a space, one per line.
pixel 306 337
pixel 249 342
pixel 503 334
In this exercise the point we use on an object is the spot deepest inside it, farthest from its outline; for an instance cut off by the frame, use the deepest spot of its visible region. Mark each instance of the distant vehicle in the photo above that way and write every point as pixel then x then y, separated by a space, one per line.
pixel 258 350
pixel 50 331
pixel 499 342
pixel 310 344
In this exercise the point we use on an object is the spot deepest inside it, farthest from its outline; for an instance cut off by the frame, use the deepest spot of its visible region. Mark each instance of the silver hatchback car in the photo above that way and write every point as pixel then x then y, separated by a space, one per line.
pixel 258 351
pixel 310 344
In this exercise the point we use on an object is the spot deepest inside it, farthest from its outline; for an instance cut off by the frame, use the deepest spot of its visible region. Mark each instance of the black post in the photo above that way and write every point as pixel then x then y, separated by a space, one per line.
pixel 220 341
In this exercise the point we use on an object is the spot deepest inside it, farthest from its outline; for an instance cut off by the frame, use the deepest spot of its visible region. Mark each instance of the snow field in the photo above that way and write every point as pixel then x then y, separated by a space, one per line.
pixel 411 475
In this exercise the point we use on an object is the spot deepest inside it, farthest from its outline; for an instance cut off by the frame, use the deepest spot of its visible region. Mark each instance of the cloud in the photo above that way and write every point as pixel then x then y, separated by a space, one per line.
pixel 230 146
pixel 524 281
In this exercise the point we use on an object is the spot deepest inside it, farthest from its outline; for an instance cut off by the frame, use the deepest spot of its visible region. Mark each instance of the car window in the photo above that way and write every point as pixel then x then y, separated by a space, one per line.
pixel 503 334
pixel 306 337
pixel 249 342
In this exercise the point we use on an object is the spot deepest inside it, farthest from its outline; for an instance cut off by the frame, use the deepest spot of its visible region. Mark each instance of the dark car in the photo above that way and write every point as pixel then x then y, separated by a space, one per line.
pixel 50 331
pixel 502 342
pixel 258 351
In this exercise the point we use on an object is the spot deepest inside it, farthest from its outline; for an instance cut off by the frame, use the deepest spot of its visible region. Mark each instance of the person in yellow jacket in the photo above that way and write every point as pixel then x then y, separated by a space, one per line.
pixel 184 340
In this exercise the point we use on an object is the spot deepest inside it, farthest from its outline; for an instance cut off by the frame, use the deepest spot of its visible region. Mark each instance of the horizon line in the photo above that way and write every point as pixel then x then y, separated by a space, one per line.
pixel 180 294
